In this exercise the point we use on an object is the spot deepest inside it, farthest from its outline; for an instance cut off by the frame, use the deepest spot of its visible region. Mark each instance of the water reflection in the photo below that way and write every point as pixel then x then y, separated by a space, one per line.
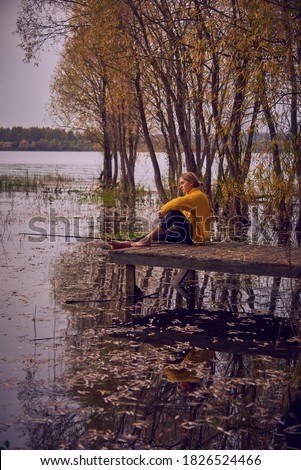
pixel 193 370
pixel 213 365
pixel 292 409
pixel 121 398
pixel 144 386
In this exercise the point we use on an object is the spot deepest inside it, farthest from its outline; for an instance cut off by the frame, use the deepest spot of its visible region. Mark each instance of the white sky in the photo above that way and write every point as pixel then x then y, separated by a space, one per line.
pixel 24 88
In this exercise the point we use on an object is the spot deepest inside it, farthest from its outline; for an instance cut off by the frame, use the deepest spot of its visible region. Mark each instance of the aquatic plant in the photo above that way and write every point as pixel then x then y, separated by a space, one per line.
pixel 26 182
pixel 112 196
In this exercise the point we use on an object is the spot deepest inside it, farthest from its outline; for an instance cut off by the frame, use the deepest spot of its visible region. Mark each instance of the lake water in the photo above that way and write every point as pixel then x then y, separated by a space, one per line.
pixel 72 378
pixel 78 165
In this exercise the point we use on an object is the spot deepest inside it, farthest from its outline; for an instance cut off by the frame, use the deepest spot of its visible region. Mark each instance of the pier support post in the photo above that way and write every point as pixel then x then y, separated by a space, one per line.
pixel 179 277
pixel 187 293
pixel 130 280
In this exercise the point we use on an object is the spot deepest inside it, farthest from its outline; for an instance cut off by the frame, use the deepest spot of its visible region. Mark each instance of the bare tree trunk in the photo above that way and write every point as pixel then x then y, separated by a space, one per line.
pixel 122 155
pixel 296 134
pixel 128 157
pixel 170 153
pixel 157 173
pixel 131 170
pixel 115 155
pixel 284 223
pixel 107 163
pixel 174 141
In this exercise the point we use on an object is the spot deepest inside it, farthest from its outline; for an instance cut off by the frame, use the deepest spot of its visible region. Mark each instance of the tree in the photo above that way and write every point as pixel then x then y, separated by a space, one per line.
pixel 94 65
pixel 278 87
pixel 80 93
pixel 206 75
pixel 292 53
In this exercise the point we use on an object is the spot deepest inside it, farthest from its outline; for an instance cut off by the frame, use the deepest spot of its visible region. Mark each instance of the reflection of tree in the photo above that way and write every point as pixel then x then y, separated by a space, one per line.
pixel 239 407
pixel 49 421
pixel 292 409
pixel 116 395
pixel 295 310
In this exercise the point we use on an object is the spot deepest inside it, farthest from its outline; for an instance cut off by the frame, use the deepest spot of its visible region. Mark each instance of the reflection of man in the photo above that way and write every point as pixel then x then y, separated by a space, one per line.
pixel 191 370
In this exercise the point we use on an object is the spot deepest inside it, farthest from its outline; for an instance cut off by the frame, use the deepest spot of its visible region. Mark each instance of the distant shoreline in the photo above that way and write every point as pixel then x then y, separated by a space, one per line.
pixel 44 139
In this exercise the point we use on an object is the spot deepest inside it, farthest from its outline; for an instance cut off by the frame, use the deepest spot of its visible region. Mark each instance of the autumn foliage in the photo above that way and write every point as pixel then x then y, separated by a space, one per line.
pixel 208 76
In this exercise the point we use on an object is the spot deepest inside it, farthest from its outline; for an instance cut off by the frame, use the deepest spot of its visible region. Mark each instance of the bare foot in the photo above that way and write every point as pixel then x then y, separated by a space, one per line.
pixel 143 242
pixel 116 245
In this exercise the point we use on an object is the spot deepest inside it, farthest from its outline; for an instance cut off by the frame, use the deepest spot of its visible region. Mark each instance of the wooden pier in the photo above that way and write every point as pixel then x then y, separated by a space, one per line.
pixel 234 258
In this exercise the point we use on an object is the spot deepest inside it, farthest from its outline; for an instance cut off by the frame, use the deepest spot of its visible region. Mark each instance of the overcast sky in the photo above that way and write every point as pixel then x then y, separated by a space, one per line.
pixel 24 88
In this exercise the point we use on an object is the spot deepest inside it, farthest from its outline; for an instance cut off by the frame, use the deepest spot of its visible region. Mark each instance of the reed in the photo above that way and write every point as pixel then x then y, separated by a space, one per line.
pixel 109 196
pixel 29 183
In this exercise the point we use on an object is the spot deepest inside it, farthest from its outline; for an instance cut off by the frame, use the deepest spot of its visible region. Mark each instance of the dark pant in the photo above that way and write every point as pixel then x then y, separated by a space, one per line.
pixel 176 228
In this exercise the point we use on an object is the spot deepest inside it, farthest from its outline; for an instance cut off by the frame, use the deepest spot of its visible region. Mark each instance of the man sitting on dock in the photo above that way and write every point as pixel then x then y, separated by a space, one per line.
pixel 185 219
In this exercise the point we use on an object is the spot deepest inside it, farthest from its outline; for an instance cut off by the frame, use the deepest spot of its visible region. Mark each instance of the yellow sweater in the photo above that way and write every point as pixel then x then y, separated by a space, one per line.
pixel 196 208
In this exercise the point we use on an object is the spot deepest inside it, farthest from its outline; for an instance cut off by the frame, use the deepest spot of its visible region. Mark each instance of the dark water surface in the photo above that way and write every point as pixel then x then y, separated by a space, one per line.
pixel 218 368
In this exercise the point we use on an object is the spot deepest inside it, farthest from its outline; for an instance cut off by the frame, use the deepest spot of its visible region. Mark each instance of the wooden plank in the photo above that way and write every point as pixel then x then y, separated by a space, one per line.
pixel 234 258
